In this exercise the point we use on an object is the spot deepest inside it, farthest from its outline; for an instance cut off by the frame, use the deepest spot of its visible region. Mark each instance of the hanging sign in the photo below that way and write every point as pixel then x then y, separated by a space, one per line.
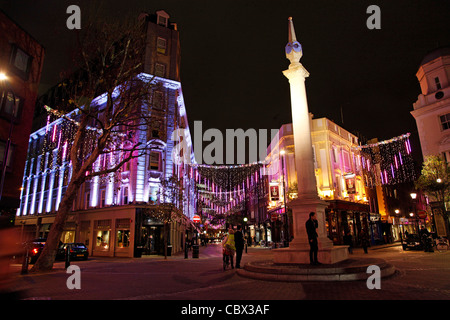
pixel 350 183
pixel 274 193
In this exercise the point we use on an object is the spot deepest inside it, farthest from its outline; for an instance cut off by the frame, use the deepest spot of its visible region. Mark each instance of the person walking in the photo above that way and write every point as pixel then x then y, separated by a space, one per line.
pixel 311 226
pixel 239 242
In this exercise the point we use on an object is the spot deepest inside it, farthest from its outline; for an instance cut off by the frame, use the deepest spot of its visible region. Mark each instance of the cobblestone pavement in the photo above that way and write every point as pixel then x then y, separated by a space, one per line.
pixel 419 276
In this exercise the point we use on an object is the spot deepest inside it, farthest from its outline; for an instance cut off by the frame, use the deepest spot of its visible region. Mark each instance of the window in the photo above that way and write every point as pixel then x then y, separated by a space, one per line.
pixel 21 61
pixel 161 45
pixel 123 238
pixel 87 202
pixel 102 198
pixel 156 127
pixel 160 70
pixel 438 83
pixel 162 21
pixel 158 100
pixel 445 121
pixel 10 104
pixel 125 195
pixel 154 160
pixel 123 233
pixel 2 154
pixel 153 196
pixel 102 234
pixel 335 155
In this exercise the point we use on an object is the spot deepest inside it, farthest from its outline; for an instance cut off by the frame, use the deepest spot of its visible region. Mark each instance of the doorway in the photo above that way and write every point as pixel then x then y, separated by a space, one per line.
pixel 152 240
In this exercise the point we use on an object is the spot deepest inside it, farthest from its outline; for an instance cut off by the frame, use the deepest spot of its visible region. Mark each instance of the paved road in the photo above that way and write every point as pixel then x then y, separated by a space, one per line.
pixel 419 276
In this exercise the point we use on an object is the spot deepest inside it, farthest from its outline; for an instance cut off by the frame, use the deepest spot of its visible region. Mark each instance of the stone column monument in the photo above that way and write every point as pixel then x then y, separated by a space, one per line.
pixel 308 199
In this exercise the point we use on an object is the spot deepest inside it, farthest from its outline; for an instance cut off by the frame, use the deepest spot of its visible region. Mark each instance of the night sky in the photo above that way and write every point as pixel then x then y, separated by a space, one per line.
pixel 233 57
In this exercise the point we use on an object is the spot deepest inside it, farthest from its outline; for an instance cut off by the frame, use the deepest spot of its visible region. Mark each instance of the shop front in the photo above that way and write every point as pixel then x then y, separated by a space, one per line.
pixel 344 217
pixel 107 232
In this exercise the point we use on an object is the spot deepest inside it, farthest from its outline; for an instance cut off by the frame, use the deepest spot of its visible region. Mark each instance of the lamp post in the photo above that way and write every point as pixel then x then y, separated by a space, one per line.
pixel 245 233
pixel 286 223
pixel 413 197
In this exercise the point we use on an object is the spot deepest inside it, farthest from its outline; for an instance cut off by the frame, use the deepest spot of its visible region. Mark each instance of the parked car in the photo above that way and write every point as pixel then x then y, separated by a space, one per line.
pixel 413 242
pixel 35 248
pixel 77 251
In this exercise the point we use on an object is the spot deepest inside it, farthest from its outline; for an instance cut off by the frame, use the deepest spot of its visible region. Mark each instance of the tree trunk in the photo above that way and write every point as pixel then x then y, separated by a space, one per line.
pixel 48 254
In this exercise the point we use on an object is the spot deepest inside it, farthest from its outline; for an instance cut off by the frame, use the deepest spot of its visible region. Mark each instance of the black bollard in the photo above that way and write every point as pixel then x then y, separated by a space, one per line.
pixel 25 261
pixel 67 256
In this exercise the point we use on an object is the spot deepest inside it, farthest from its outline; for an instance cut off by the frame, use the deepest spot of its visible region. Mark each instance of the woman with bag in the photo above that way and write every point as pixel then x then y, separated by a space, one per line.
pixel 228 249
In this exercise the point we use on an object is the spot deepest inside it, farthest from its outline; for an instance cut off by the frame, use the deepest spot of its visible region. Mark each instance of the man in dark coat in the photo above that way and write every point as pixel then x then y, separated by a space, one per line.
pixel 239 243
pixel 311 226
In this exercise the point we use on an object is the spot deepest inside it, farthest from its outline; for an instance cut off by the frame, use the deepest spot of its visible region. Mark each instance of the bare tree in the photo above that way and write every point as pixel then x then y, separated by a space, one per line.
pixel 106 102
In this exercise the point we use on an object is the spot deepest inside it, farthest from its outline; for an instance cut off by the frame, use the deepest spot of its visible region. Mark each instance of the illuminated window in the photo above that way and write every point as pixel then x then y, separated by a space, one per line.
pixel 154 160
pixel 161 45
pixel 123 238
pixel 102 234
pixel 123 233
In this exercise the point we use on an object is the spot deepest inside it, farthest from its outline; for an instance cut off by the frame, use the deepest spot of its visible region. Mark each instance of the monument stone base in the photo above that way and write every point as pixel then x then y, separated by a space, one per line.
pixel 298 251
pixel 329 255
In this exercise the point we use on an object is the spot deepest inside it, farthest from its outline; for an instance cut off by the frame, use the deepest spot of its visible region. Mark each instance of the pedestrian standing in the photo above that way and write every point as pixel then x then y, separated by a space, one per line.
pixel 311 226
pixel 364 240
pixel 229 247
pixel 239 242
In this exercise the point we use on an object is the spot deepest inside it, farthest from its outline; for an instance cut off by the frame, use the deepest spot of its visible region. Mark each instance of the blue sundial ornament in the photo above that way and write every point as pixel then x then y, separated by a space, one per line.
pixel 296 46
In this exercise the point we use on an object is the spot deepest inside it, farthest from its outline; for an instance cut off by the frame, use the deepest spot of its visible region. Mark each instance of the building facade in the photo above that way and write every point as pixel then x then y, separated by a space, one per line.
pixel 432 108
pixel 338 170
pixel 21 61
pixel 117 214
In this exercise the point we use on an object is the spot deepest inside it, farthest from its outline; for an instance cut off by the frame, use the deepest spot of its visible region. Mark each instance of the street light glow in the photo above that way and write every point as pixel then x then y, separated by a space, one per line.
pixel 3 76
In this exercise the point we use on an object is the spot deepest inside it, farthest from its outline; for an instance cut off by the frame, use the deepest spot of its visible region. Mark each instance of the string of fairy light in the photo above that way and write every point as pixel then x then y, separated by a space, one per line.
pixel 387 162
pixel 56 143
pixel 223 190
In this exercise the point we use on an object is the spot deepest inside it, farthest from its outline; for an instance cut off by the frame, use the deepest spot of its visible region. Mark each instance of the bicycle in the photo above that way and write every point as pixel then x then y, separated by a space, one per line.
pixel 441 244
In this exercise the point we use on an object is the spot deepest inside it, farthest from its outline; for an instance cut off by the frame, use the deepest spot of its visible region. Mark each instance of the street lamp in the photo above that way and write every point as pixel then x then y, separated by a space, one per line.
pixel 286 224
pixel 245 233
pixel 413 197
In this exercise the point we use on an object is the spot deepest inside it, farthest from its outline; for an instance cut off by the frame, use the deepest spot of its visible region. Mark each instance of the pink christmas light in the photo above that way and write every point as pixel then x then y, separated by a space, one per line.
pixel 54 133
